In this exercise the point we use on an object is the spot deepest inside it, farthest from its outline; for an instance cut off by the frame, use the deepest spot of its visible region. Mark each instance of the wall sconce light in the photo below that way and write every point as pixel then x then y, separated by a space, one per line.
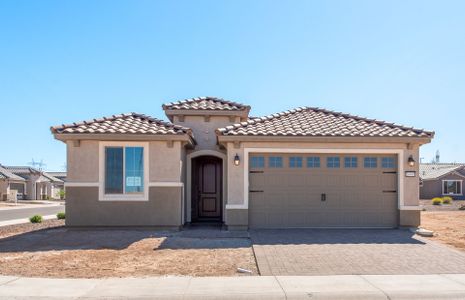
pixel 237 160
pixel 411 161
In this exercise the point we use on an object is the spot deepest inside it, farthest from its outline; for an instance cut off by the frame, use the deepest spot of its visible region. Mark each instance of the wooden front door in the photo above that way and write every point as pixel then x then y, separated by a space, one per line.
pixel 206 189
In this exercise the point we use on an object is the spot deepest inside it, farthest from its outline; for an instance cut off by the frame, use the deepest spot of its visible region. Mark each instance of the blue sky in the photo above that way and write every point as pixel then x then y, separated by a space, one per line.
pixel 65 61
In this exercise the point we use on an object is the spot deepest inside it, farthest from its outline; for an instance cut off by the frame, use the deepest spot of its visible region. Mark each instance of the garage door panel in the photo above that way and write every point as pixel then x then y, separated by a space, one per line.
pixel 291 197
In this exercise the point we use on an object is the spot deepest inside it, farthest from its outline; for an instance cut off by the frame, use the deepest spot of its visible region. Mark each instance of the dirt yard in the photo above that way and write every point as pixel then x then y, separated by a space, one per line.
pixel 60 252
pixel 428 206
pixel 448 226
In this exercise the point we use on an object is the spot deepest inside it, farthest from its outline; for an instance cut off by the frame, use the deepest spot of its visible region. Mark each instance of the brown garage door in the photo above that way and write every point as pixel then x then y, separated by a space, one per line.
pixel 322 190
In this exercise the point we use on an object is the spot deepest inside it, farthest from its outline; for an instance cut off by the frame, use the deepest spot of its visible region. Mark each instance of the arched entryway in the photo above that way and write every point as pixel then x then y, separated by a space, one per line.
pixel 207 189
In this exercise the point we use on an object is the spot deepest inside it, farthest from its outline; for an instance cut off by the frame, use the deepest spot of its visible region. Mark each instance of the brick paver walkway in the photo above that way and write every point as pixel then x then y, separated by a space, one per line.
pixel 344 252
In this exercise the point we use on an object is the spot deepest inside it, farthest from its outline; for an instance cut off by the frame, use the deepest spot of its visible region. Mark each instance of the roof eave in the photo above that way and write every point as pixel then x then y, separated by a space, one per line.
pixel 332 139
pixel 124 137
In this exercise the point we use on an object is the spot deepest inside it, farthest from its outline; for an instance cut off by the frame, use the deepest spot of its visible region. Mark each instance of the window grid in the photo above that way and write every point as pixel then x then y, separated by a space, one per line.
pixel 295 162
pixel 275 162
pixel 257 162
pixel 313 162
pixel 370 162
pixel 350 162
pixel 387 162
pixel 333 162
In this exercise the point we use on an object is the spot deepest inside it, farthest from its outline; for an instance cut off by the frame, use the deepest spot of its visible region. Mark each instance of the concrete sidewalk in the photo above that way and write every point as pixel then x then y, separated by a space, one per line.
pixel 255 287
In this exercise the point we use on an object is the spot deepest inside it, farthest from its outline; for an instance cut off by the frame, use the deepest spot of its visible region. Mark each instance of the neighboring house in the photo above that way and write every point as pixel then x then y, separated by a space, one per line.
pixel 11 185
pixel 38 185
pixel 58 186
pixel 442 179
pixel 306 167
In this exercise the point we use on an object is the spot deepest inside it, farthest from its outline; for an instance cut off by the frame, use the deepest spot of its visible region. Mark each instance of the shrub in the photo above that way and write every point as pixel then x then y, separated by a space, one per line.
pixel 36 219
pixel 447 200
pixel 437 201
pixel 462 207
pixel 62 194
pixel 61 216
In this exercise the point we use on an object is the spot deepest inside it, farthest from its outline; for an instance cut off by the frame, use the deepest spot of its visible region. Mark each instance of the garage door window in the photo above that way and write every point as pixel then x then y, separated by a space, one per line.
pixel 452 187
pixel 370 162
pixel 257 162
pixel 387 162
pixel 333 162
pixel 295 162
pixel 350 162
pixel 275 162
pixel 313 162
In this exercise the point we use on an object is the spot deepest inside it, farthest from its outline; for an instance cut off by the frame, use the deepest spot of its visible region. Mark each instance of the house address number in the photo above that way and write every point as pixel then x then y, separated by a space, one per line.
pixel 410 173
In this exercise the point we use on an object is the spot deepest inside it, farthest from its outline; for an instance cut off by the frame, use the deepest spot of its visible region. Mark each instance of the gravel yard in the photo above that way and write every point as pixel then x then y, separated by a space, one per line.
pixel 61 252
pixel 428 206
pixel 448 227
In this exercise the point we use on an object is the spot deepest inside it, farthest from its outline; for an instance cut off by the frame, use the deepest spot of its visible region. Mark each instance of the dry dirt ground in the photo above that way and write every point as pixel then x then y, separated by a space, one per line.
pixel 448 227
pixel 428 206
pixel 61 252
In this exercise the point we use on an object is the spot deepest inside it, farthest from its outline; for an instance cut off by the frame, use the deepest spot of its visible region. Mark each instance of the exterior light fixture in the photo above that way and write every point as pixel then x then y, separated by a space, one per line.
pixel 237 160
pixel 411 161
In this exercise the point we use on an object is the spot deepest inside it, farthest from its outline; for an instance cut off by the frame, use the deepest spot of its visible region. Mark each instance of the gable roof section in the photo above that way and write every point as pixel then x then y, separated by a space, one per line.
pixel 7 174
pixel 318 122
pixel 206 103
pixel 437 170
pixel 131 123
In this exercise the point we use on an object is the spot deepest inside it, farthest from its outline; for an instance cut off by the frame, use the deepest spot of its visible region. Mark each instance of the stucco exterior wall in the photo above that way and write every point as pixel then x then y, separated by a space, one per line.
pixel 82 161
pixel 165 162
pixel 163 209
pixel 204 131
pixel 433 188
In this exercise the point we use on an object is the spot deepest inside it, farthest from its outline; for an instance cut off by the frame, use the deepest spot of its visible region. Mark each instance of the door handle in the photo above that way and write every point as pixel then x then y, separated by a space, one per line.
pixel 323 197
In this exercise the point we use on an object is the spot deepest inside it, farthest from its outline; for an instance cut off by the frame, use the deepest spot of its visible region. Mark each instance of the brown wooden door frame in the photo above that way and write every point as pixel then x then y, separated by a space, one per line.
pixel 207 189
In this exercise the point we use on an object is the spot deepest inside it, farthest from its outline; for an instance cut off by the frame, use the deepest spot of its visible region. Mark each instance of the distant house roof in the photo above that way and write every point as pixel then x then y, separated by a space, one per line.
pixel 24 171
pixel 437 170
pixel 205 103
pixel 318 122
pixel 7 174
pixel 131 123
pixel 57 173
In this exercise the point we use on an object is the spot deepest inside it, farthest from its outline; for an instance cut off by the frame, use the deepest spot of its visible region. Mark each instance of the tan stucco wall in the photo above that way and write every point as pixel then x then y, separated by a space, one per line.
pixel 164 161
pixel 236 173
pixel 204 132
pixel 84 209
pixel 82 161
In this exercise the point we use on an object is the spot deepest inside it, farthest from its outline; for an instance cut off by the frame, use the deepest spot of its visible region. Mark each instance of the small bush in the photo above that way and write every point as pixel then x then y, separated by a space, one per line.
pixel 61 216
pixel 36 219
pixel 447 200
pixel 462 207
pixel 437 201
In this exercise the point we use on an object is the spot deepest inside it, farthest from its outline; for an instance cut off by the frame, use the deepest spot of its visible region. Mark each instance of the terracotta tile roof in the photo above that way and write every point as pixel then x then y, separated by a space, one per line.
pixel 205 103
pixel 132 123
pixel 436 170
pixel 308 121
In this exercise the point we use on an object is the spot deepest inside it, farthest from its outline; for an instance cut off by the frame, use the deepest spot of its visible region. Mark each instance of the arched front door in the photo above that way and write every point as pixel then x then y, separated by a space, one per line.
pixel 206 189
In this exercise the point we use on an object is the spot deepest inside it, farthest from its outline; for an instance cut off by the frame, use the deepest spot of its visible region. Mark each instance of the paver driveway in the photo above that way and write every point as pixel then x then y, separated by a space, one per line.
pixel 344 252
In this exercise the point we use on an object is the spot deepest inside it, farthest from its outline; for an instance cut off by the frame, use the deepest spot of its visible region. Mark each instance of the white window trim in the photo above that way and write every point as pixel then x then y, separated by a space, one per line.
pixel 455 180
pixel 123 197
pixel 400 170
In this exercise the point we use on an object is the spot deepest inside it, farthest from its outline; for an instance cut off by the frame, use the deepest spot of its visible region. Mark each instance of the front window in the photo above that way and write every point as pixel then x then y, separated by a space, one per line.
pixel 452 187
pixel 124 170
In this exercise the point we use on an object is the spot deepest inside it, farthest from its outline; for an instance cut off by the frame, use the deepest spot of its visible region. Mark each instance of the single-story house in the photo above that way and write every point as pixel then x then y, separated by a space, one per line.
pixel 36 184
pixel 58 186
pixel 10 183
pixel 442 179
pixel 306 167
